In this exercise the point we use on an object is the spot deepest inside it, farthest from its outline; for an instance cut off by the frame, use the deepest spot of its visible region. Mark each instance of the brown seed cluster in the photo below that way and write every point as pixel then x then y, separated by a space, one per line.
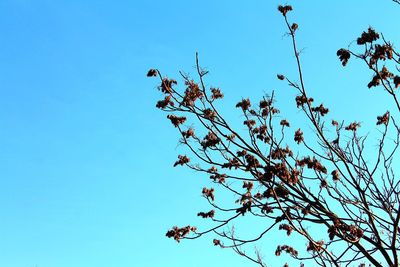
pixel 218 177
pixel 166 85
pixel 281 153
pixel 320 109
pixel 244 208
pixel 208 193
pixel 350 231
pixel 205 215
pixel 217 242
pixel 216 93
pixel 152 73
pixel 352 126
pixel 396 81
pixel 249 123
pixel 209 114
pixel 302 100
pixel 384 119
pixel 267 209
pixel 315 246
pixel 284 123
pixel 285 9
pixel 384 74
pixel 244 104
pixel 279 190
pixel 374 82
pixel 381 52
pixel 280 170
pixel 165 102
pixel 287 228
pixel 192 93
pixel 335 175
pixel 210 140
pixel 285 248
pixel 311 163
pixel 298 136
pixel 368 37
pixel 179 233
pixel 251 162
pixel 344 56
pixel 280 77
pixel 189 133
pixel 232 163
pixel 176 121
pixel 261 133
pixel 182 160
pixel 248 185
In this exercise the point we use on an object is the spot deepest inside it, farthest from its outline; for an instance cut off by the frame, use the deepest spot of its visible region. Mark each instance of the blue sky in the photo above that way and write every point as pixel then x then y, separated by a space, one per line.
pixel 86 175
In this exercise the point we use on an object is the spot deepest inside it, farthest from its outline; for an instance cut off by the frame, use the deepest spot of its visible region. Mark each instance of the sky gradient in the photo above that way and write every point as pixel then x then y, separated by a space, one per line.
pixel 86 175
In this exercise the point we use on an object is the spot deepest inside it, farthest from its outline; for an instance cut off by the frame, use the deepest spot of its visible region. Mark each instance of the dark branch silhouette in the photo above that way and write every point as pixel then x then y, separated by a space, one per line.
pixel 326 186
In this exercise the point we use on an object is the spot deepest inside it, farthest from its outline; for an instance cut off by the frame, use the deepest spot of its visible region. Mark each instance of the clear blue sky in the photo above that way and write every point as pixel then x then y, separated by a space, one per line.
pixel 86 175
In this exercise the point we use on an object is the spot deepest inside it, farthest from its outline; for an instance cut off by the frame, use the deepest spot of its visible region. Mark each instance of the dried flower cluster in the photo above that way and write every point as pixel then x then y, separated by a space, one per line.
pixel 179 233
